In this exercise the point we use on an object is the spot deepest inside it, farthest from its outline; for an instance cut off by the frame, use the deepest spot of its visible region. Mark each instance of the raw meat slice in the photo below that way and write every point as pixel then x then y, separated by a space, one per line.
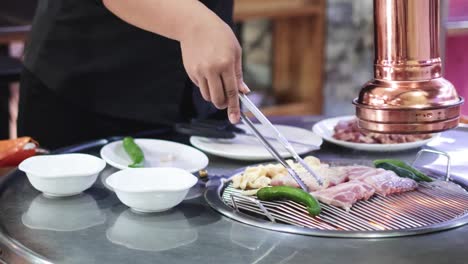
pixel 335 175
pixel 331 176
pixel 361 172
pixel 385 182
pixel 287 180
pixel 348 130
pixel 345 195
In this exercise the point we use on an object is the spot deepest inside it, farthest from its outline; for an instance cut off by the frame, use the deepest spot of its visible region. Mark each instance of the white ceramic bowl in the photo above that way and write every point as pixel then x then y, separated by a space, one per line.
pixel 63 174
pixel 151 189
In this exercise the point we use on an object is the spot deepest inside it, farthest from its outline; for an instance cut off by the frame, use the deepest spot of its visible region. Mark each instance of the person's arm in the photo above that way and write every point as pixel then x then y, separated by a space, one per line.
pixel 210 50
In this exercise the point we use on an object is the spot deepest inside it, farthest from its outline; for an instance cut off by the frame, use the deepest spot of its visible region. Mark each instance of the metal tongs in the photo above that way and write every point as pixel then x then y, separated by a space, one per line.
pixel 280 138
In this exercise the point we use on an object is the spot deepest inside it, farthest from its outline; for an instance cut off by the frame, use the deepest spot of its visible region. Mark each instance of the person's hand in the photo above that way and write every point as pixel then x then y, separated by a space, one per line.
pixel 212 58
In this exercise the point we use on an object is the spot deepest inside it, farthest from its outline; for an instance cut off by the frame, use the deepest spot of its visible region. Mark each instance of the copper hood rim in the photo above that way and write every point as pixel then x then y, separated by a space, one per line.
pixel 461 101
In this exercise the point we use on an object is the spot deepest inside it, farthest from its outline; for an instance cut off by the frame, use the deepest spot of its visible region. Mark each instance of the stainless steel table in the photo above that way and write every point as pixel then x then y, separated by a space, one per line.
pixel 96 228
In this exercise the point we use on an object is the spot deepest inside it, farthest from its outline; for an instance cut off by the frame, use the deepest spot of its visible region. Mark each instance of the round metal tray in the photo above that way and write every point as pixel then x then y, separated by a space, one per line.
pixel 219 239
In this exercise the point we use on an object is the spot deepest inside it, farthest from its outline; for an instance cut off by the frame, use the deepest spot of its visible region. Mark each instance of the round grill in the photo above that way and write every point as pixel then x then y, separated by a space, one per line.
pixel 432 207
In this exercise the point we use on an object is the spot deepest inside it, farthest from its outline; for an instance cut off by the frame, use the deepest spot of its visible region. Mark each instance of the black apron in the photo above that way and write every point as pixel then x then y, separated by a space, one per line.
pixel 89 74
pixel 88 56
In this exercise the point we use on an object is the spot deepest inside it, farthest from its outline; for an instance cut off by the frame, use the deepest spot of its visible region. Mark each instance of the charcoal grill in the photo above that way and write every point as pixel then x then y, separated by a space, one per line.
pixel 432 207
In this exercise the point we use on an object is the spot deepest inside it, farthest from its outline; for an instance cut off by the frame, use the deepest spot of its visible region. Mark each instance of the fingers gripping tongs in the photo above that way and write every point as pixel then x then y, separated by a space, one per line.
pixel 245 101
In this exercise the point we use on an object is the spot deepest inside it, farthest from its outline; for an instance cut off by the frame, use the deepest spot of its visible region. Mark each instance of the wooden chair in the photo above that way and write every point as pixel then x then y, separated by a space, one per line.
pixel 298 51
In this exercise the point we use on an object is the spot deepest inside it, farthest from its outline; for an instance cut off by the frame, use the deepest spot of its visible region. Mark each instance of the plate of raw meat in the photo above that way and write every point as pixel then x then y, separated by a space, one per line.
pixel 344 131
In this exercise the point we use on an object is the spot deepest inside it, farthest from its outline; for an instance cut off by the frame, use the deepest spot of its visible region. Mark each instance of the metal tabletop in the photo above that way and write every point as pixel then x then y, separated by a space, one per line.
pixel 96 228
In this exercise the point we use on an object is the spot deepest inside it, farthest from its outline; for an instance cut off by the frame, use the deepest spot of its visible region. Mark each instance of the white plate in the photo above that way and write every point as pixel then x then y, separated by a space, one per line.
pixel 156 155
pixel 249 148
pixel 325 129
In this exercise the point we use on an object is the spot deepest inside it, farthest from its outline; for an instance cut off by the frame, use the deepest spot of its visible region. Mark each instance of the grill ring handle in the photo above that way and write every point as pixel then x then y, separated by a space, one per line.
pixel 440 153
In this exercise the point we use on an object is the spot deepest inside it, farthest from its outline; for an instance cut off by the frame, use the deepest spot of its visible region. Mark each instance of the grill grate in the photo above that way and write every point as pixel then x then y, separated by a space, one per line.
pixel 431 204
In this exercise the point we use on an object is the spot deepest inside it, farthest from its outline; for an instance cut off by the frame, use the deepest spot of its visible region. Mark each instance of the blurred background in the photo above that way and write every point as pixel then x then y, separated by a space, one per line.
pixel 300 56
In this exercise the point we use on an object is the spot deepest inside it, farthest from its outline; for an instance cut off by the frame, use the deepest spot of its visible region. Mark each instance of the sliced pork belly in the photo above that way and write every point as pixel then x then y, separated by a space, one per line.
pixel 331 176
pixel 360 172
pixel 385 182
pixel 346 194
pixel 287 180
pixel 335 175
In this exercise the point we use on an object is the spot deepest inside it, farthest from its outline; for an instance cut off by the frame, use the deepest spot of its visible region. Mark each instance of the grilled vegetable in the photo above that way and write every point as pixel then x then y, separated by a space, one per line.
pixel 134 152
pixel 404 165
pixel 290 193
pixel 398 170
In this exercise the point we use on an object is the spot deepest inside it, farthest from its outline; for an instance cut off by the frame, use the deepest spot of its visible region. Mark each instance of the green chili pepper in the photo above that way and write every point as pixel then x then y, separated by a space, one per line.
pixel 404 165
pixel 134 152
pixel 290 193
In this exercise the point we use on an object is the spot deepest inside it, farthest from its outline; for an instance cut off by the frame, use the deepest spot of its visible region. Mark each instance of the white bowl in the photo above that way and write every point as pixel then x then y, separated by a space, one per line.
pixel 64 174
pixel 68 214
pixel 151 189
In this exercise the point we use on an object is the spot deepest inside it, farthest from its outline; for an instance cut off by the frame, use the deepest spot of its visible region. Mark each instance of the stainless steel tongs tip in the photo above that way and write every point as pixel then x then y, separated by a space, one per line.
pixel 280 138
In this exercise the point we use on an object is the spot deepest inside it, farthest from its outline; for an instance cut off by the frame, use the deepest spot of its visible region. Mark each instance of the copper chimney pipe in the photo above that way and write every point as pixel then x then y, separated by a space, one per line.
pixel 408 93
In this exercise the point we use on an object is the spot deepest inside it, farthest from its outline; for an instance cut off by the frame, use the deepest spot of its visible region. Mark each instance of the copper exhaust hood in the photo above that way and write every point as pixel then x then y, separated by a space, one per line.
pixel 408 93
